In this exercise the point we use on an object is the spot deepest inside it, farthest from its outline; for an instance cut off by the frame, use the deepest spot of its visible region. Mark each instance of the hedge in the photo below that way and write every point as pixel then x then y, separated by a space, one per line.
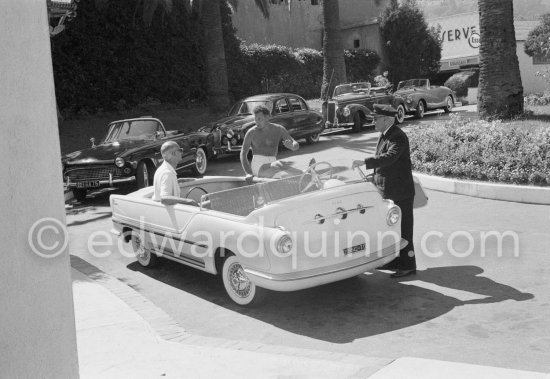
pixel 106 59
pixel 461 81
pixel 482 150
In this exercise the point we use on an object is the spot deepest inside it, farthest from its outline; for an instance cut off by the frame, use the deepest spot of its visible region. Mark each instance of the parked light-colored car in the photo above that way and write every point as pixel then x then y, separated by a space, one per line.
pixel 421 96
pixel 327 224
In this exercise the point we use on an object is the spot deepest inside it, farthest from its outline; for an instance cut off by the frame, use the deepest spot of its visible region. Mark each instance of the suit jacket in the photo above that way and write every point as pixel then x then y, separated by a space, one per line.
pixel 392 165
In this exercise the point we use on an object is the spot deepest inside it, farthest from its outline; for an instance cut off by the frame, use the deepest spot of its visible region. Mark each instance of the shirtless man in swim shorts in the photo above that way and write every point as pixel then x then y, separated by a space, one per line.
pixel 264 139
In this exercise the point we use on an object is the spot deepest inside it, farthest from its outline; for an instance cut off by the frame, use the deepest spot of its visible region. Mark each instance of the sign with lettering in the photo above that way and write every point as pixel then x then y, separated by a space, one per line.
pixel 460 36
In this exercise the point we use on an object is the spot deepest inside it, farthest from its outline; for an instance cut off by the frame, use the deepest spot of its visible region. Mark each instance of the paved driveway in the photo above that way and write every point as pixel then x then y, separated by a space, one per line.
pixel 473 300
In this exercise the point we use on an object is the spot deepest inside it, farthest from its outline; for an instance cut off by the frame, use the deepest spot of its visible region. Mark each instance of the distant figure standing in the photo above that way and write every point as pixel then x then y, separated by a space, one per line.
pixel 264 139
pixel 393 178
pixel 382 80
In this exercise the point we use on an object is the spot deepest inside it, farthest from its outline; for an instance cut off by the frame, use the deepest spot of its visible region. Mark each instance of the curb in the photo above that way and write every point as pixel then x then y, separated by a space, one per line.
pixel 486 190
pixel 170 330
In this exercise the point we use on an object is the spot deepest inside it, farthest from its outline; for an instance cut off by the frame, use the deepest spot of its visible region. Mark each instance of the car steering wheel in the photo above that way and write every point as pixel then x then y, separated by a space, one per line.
pixel 316 177
pixel 194 188
pixel 366 178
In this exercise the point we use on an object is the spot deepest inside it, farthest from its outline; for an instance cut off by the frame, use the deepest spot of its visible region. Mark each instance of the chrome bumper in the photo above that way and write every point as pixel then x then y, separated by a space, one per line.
pixel 102 183
pixel 298 280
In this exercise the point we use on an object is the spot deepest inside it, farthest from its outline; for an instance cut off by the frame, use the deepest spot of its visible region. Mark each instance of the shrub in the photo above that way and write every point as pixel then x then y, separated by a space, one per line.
pixel 460 82
pixel 413 49
pixel 273 68
pixel 482 150
pixel 536 99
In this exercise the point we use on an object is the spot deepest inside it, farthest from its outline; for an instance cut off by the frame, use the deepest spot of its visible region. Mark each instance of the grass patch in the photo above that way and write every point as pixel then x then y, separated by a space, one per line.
pixel 515 151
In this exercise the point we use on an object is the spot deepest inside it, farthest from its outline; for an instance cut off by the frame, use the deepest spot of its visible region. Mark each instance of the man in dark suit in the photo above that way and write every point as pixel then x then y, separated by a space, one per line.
pixel 393 178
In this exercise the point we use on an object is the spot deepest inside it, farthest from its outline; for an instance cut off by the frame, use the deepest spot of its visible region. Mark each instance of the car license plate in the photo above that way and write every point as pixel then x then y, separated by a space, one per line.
pixel 90 184
pixel 354 249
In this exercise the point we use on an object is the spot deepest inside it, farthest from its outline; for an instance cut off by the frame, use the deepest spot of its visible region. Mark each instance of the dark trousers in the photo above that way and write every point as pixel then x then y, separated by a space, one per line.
pixel 405 261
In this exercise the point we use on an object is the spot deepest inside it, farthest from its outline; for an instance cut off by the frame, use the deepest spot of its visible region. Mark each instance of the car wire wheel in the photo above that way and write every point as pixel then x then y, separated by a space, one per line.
pixel 237 285
pixel 144 256
pixel 400 116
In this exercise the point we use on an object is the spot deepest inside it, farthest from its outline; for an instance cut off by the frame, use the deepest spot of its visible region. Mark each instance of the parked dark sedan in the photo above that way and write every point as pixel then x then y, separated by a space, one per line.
pixel 288 110
pixel 130 154
pixel 421 96
pixel 351 105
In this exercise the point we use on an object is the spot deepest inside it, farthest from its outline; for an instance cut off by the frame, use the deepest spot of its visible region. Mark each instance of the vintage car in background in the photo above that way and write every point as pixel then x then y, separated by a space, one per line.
pixel 288 110
pixel 420 96
pixel 351 105
pixel 326 224
pixel 129 154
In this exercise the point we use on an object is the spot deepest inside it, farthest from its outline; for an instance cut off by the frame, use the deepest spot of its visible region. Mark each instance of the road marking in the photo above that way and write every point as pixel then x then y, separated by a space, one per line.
pixel 451 292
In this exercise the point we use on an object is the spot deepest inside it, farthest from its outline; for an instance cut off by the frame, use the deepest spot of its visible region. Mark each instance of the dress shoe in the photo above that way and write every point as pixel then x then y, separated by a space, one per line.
pixel 392 265
pixel 402 273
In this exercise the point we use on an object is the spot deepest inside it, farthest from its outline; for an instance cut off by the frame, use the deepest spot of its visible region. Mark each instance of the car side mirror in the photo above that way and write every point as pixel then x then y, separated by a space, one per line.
pixel 92 140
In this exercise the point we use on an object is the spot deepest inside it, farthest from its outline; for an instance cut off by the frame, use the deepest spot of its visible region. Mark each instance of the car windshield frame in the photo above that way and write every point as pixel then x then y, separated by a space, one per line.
pixel 242 201
pixel 352 88
pixel 132 130
pixel 245 107
pixel 412 83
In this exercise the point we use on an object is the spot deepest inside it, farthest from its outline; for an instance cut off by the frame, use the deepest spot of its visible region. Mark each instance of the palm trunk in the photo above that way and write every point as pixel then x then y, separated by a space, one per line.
pixel 500 90
pixel 216 68
pixel 333 52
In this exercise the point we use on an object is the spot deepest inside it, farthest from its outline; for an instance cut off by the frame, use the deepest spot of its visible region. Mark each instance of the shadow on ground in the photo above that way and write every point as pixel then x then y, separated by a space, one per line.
pixel 359 307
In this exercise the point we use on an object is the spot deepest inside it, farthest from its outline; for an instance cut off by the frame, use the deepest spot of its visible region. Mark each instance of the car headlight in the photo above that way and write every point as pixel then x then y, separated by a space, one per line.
pixel 119 162
pixel 230 134
pixel 346 112
pixel 393 216
pixel 284 245
pixel 409 99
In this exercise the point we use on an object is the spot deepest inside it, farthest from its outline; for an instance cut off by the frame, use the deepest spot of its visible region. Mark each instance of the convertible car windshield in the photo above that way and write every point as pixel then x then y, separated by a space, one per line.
pixel 246 107
pixel 360 88
pixel 131 130
pixel 317 177
pixel 412 83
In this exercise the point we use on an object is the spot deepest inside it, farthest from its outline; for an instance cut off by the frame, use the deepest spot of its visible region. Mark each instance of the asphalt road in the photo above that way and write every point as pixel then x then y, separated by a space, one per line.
pixel 471 301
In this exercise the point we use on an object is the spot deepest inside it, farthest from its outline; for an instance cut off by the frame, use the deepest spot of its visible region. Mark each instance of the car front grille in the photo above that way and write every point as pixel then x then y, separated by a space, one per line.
pixel 331 111
pixel 93 173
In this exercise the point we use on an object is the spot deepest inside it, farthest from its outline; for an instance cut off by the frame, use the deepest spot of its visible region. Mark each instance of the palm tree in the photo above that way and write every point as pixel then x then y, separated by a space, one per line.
pixel 216 66
pixel 334 65
pixel 500 90
pixel 214 51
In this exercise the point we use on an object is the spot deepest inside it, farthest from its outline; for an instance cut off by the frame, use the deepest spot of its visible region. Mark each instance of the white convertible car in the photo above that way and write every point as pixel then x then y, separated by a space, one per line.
pixel 327 224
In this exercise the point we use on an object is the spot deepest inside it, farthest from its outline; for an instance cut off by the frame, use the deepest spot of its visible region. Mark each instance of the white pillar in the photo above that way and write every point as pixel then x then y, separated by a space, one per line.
pixel 37 329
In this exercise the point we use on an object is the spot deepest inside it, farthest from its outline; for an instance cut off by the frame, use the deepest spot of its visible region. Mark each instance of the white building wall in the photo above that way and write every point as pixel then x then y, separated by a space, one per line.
pixel 532 84
pixel 37 327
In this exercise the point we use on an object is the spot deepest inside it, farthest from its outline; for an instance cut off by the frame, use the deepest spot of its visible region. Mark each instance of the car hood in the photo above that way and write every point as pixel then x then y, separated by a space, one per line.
pixel 103 152
pixel 237 123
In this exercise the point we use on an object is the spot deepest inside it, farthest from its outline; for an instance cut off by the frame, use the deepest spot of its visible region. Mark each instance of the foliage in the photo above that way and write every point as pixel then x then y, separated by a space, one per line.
pixel 537 100
pixel 274 68
pixel 482 150
pixel 461 81
pixel 538 39
pixel 106 59
pixel 413 49
pixel 360 64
